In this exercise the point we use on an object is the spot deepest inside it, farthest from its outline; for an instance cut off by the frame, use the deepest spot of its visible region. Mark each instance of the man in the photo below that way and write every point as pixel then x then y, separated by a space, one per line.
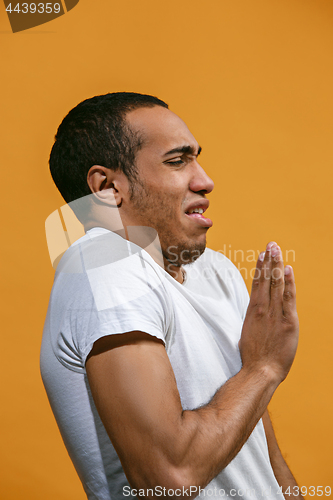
pixel 158 372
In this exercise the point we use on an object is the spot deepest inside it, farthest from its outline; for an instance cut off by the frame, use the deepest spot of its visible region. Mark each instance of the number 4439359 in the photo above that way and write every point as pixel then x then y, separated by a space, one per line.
pixel 312 491
pixel 31 8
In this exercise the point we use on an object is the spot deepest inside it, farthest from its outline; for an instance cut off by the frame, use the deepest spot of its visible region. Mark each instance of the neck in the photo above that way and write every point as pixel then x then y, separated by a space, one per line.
pixel 146 238
pixel 177 272
pixel 143 236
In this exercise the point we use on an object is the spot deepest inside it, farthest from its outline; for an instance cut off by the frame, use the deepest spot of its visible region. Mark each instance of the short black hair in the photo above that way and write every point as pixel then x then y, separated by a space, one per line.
pixel 95 132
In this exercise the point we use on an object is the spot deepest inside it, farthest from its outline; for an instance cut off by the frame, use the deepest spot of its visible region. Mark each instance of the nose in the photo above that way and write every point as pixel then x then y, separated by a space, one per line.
pixel 200 181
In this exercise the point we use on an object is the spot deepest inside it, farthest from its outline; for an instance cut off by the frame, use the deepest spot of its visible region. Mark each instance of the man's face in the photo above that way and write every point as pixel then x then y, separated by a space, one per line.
pixel 171 185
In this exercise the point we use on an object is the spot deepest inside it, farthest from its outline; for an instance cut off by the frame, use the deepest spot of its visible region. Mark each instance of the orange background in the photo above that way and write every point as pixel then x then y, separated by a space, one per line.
pixel 253 80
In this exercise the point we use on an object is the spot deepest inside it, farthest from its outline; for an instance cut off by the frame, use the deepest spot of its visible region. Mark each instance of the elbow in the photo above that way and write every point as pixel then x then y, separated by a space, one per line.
pixel 167 480
pixel 184 483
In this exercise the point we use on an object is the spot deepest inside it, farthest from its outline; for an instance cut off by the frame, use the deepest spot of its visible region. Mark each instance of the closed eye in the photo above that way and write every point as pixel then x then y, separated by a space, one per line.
pixel 180 160
pixel 175 162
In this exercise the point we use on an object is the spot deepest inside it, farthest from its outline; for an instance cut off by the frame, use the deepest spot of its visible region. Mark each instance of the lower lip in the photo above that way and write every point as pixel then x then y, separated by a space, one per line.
pixel 200 219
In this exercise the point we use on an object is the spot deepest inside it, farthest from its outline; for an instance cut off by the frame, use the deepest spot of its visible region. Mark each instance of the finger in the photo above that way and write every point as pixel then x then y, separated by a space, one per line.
pixel 255 282
pixel 289 295
pixel 265 274
pixel 277 277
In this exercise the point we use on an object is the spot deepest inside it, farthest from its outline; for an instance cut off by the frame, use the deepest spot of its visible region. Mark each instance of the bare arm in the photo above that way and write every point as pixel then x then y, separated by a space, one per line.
pixel 135 392
pixel 281 470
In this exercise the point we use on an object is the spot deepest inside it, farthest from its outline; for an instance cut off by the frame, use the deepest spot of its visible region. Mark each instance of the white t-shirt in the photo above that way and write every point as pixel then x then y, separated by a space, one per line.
pixel 105 285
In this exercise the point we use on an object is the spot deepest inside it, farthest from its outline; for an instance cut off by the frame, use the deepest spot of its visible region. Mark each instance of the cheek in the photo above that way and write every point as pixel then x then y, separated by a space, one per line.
pixel 171 201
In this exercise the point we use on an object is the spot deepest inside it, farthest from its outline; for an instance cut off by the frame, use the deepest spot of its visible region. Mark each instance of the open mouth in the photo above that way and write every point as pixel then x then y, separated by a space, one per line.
pixel 196 214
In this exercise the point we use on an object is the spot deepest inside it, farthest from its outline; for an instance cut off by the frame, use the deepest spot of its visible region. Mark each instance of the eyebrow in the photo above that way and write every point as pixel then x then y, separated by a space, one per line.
pixel 189 150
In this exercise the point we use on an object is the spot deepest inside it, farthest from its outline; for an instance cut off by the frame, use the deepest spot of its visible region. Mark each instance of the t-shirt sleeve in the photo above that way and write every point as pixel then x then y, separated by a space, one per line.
pixel 127 297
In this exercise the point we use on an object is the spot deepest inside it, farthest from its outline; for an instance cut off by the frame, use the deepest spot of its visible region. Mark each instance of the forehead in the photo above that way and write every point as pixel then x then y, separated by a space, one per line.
pixel 162 130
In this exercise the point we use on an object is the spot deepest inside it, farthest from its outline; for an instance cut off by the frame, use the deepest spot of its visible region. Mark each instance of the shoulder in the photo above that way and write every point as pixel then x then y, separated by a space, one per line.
pixel 101 251
pixel 106 285
pixel 110 272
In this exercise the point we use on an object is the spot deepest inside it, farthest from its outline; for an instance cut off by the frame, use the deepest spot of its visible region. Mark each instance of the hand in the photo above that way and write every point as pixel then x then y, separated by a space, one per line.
pixel 270 331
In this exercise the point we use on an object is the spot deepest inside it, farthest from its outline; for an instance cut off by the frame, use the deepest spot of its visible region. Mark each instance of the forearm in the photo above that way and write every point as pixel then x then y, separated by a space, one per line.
pixel 211 436
pixel 285 478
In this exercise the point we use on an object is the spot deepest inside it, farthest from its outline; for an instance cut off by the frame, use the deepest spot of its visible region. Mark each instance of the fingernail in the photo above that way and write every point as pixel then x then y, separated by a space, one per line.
pixel 261 256
pixel 275 251
pixel 287 270
pixel 270 245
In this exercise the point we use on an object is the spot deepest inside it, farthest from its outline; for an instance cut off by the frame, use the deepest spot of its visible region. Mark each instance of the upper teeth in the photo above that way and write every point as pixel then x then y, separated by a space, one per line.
pixel 196 210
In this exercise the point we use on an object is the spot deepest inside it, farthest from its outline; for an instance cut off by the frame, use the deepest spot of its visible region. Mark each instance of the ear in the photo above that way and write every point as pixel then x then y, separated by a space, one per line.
pixel 107 185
